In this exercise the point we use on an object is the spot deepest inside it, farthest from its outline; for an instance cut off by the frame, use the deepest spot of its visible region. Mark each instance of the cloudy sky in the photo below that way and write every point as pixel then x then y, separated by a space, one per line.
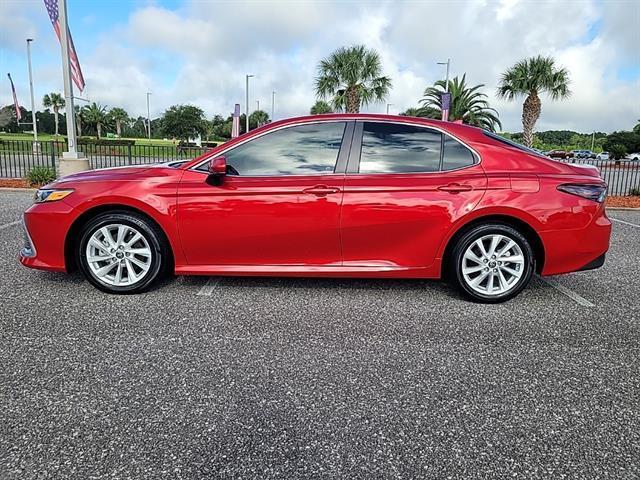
pixel 198 52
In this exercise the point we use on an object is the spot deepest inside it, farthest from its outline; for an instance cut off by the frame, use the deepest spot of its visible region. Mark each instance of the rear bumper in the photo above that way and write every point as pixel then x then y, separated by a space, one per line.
pixel 576 250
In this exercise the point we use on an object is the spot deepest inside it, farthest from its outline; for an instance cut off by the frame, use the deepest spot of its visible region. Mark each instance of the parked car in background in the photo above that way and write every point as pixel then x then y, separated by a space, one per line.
pixel 634 157
pixel 582 154
pixel 335 195
pixel 603 156
pixel 558 154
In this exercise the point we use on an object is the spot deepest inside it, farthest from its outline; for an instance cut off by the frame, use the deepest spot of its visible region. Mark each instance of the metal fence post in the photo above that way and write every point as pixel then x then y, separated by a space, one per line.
pixel 129 153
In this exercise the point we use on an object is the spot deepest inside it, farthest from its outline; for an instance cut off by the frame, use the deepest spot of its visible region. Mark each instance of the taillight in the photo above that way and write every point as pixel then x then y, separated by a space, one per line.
pixel 597 193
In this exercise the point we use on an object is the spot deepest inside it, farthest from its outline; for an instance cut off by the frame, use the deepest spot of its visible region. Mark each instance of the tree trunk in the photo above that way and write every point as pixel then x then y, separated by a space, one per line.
pixel 99 128
pixel 55 112
pixel 353 100
pixel 530 113
pixel 118 128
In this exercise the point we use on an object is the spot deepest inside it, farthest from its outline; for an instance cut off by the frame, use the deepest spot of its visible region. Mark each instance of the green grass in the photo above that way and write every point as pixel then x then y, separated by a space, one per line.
pixel 45 137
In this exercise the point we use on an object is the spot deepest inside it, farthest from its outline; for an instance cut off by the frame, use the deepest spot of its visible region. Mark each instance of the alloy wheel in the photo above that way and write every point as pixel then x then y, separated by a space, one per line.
pixel 118 255
pixel 493 264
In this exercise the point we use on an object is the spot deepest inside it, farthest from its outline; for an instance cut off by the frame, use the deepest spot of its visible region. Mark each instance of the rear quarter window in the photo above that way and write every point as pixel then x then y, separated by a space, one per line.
pixel 456 155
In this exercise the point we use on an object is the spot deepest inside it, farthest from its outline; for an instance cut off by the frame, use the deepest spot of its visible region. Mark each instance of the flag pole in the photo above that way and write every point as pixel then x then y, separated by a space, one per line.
pixel 72 161
pixel 36 146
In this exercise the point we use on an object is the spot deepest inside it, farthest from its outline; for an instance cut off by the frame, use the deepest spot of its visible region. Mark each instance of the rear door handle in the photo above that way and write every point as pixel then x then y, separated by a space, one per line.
pixel 455 188
pixel 320 190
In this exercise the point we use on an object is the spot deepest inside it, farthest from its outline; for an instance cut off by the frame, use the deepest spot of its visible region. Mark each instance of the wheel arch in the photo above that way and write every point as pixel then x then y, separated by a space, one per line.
pixel 73 234
pixel 519 224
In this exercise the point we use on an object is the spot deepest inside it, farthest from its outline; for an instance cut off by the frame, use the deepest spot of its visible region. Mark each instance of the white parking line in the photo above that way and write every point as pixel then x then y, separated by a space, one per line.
pixel 208 288
pixel 568 292
pixel 626 223
pixel 12 224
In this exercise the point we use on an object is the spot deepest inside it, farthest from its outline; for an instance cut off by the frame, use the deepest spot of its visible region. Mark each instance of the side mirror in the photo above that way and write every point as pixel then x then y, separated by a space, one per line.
pixel 218 166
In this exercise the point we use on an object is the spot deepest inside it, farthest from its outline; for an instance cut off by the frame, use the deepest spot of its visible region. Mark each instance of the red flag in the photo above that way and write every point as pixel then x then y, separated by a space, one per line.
pixel 76 72
pixel 15 99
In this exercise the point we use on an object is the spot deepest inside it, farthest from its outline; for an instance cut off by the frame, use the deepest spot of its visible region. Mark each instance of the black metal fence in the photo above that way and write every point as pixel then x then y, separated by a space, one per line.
pixel 17 157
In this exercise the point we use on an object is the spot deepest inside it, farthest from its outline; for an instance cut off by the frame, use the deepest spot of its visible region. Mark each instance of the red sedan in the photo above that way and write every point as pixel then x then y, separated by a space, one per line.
pixel 330 195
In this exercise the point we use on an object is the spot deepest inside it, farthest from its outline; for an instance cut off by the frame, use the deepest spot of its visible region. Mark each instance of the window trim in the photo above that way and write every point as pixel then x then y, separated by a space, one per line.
pixel 341 160
pixel 353 167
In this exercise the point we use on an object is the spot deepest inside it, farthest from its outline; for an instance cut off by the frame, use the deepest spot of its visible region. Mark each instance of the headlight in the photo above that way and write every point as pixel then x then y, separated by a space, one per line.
pixel 51 195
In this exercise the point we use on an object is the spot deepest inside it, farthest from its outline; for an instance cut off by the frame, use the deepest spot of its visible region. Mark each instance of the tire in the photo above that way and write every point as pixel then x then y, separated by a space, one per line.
pixel 503 275
pixel 137 252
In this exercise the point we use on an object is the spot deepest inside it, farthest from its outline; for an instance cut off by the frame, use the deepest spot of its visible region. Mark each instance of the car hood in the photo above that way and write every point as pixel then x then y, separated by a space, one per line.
pixel 102 174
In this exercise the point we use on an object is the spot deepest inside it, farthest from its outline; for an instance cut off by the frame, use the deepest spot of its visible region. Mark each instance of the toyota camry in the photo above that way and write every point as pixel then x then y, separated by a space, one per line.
pixel 330 195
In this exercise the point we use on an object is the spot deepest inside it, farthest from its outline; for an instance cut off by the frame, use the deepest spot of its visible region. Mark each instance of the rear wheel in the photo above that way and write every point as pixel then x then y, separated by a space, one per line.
pixel 492 263
pixel 121 252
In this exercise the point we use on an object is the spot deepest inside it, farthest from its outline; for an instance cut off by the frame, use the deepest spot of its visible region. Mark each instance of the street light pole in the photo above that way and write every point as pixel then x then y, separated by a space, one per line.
pixel 148 118
pixel 257 104
pixel 388 105
pixel 33 103
pixel 246 113
pixel 273 103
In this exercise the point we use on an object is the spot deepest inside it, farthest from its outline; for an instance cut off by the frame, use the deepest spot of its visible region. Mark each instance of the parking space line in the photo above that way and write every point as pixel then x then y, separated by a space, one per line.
pixel 208 288
pixel 626 223
pixel 568 292
pixel 12 224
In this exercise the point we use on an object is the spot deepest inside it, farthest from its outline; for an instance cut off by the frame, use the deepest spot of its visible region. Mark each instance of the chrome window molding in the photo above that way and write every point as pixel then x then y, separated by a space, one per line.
pixel 334 120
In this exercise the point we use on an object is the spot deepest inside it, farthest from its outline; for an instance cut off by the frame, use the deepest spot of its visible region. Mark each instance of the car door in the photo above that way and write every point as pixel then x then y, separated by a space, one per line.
pixel 279 204
pixel 405 186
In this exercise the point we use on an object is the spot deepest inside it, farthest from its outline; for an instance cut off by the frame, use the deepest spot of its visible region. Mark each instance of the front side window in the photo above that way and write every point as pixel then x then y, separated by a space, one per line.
pixel 300 150
pixel 396 148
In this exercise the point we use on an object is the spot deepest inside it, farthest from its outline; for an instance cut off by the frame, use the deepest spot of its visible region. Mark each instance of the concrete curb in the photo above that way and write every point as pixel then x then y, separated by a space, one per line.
pixel 17 189
pixel 624 209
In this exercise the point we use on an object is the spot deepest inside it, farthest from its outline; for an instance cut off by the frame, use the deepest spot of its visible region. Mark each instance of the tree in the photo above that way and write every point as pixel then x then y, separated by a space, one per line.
pixel 352 77
pixel 629 140
pixel 78 114
pixel 96 116
pixel 320 107
pixel 636 129
pixel 54 101
pixel 258 118
pixel 119 116
pixel 468 104
pixel 529 78
pixel 183 122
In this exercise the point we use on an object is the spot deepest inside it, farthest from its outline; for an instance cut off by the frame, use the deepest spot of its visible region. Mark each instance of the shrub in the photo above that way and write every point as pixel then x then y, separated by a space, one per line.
pixel 38 176
pixel 618 151
pixel 635 192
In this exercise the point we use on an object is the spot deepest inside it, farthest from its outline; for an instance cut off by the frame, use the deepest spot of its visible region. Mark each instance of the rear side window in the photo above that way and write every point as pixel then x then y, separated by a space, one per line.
pixel 394 148
pixel 456 155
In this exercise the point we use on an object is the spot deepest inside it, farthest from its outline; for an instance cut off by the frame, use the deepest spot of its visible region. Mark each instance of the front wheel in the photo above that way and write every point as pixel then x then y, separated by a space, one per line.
pixel 121 252
pixel 492 263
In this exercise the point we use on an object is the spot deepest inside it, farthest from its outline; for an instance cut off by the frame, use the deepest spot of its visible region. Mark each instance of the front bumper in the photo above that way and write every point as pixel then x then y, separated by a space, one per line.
pixel 45 230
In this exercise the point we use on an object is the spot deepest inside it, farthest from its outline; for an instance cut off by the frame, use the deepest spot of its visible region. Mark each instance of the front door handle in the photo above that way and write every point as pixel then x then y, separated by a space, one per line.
pixel 320 190
pixel 455 188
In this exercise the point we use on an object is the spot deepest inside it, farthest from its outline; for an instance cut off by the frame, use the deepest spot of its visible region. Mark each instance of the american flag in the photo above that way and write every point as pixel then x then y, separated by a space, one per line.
pixel 15 99
pixel 76 73
pixel 235 126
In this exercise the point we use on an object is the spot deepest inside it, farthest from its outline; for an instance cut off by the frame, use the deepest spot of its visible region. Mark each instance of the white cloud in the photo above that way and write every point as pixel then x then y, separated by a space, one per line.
pixel 200 52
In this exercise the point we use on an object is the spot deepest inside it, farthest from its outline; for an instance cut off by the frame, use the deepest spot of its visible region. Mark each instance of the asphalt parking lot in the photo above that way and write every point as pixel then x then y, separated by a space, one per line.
pixel 319 378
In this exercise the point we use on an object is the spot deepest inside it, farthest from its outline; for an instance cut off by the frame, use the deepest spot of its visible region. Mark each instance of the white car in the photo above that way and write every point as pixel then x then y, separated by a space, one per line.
pixel 634 157
pixel 602 156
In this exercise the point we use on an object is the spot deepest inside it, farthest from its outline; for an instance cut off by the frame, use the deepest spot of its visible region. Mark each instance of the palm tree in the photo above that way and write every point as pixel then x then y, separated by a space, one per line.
pixel 78 111
pixel 528 78
pixel 96 115
pixel 424 112
pixel 352 77
pixel 468 104
pixel 56 102
pixel 320 107
pixel 119 115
